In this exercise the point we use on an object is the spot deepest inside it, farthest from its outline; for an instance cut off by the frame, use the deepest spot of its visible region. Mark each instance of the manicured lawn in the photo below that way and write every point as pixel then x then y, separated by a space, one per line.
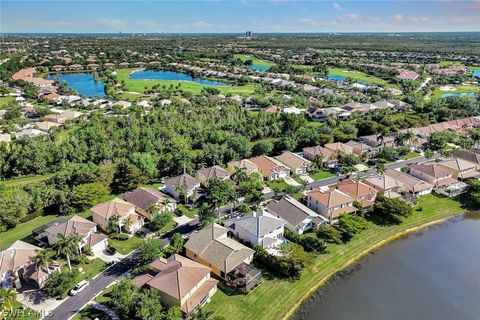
pixel 22 312
pixel 459 89
pixel 125 246
pixel 280 184
pixel 297 178
pixel 449 63
pixel 26 180
pixel 6 101
pixel 411 155
pixel 321 174
pixel 193 87
pixel 189 212
pixel 274 298
pixel 357 75
pixel 260 62
pixel 91 269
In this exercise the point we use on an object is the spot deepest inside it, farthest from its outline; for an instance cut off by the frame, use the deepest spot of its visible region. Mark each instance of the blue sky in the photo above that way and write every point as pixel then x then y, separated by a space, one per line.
pixel 239 15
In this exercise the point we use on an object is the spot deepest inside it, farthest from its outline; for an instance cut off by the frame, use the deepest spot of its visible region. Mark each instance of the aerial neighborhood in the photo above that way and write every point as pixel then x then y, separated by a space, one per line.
pixel 243 177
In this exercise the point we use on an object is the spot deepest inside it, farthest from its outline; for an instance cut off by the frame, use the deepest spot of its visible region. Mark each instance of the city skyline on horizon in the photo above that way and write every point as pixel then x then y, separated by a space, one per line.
pixel 217 16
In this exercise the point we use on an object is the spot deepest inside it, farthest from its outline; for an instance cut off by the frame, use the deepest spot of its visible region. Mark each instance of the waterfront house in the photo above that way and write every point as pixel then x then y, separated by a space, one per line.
pixel 259 228
pixel 179 282
pixel 297 164
pixel 330 203
pixel 385 185
pixel 461 169
pixel 414 186
pixel 125 211
pixel 145 198
pixel 230 260
pixel 270 168
pixel 359 191
pixel 182 186
pixel 432 173
pixel 297 216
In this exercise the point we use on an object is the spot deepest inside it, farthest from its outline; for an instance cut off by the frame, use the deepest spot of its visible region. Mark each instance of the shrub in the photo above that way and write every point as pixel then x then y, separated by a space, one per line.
pixel 59 283
pixel 329 233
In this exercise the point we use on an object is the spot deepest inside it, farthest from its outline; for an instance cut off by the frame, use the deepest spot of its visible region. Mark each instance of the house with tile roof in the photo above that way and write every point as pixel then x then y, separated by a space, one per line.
pixel 215 172
pixel 330 203
pixel 339 148
pixel 328 156
pixel 124 210
pixel 229 259
pixel 297 216
pixel 385 185
pixel 432 173
pixel 181 186
pixel 244 164
pixel 461 169
pixel 359 191
pixel 144 198
pixel 469 155
pixel 297 164
pixel 270 168
pixel 414 186
pixel 259 228
pixel 179 282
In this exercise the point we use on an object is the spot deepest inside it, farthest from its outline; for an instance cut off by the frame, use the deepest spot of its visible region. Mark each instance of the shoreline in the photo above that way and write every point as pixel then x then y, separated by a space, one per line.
pixel 349 266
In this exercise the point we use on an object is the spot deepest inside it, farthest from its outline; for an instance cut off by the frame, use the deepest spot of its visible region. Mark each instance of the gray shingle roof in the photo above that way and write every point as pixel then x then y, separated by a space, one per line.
pixel 256 225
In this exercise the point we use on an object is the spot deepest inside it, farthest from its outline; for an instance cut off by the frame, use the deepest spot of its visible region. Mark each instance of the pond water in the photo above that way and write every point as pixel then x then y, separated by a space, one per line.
pixel 430 275
pixel 258 67
pixel 173 75
pixel 476 73
pixel 83 83
pixel 463 94
pixel 334 77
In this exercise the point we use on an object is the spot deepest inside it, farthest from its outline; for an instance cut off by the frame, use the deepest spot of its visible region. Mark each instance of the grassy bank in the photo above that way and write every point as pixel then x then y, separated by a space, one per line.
pixel 260 62
pixel 193 87
pixel 18 182
pixel 357 75
pixel 460 89
pixel 277 298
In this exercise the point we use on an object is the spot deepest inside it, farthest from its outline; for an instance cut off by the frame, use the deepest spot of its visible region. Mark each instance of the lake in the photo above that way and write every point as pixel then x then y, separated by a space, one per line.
pixel 334 77
pixel 463 94
pixel 83 83
pixel 430 275
pixel 174 76
pixel 476 73
pixel 258 67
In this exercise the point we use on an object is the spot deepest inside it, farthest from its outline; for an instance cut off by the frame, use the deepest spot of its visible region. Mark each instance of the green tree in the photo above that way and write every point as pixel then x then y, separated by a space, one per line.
pixel 43 259
pixel 127 177
pixel 160 220
pixel 66 245
pixel 219 193
pixel 147 305
pixel 122 297
pixel 149 250
pixel 60 282
pixel 113 225
pixel 391 211
pixel 84 195
pixel 329 233
pixel 8 296
pixel 176 243
pixel 351 225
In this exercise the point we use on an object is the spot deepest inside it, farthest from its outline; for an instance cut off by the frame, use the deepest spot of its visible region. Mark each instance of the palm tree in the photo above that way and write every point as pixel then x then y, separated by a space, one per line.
pixel 7 297
pixel 127 224
pixel 182 192
pixel 65 246
pixel 77 240
pixel 239 175
pixel 114 224
pixel 43 259
pixel 165 203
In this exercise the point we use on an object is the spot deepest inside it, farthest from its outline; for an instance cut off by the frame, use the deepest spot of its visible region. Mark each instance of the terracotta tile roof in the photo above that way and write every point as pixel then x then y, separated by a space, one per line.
pixel 267 165
pixel 16 256
pixel 74 225
pixel 409 182
pixel 143 198
pixel 330 198
pixel 339 147
pixel 317 151
pixel 292 160
pixel 355 189
pixel 246 164
pixel 115 206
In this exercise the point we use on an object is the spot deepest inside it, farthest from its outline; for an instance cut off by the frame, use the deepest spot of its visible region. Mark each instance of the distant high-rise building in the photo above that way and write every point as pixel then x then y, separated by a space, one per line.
pixel 248 34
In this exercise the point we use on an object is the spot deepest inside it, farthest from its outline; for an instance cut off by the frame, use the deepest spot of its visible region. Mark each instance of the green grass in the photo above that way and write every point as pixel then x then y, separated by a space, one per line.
pixel 125 246
pixel 321 174
pixel 357 75
pixel 22 312
pixel 280 184
pixel 274 298
pixel 193 87
pixel 189 212
pixel 260 62
pixel 91 269
pixel 18 182
pixel 459 89
pixel 410 155
pixel 4 101
pixel 449 63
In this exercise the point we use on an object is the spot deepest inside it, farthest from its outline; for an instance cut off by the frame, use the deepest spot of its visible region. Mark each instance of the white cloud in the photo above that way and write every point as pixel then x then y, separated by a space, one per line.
pixel 337 6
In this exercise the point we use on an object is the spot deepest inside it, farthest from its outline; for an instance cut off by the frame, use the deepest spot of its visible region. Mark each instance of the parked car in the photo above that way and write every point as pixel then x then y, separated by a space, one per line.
pixel 79 287
pixel 110 250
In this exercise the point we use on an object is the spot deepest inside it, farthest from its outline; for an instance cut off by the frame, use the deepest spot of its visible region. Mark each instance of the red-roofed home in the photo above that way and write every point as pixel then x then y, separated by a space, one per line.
pixel 359 191
pixel 330 203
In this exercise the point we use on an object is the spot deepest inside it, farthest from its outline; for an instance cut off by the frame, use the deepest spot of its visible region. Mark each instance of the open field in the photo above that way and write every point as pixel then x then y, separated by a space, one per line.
pixel 23 230
pixel 275 298
pixel 357 75
pixel 437 93
pixel 193 87
pixel 260 62
pixel 18 182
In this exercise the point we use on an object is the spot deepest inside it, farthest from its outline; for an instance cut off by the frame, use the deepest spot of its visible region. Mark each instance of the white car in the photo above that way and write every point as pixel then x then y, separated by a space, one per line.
pixel 79 287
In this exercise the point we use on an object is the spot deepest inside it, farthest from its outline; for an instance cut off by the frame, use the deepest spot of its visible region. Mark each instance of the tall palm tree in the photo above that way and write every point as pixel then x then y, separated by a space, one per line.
pixel 77 240
pixel 65 246
pixel 43 259
pixel 239 175
pixel 409 137
pixel 7 298
pixel 127 224
pixel 165 203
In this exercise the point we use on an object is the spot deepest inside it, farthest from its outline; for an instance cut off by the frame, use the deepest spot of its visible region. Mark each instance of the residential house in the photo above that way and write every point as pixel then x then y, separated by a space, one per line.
pixel 377 141
pixel 32 133
pixel 230 260
pixel 297 164
pixel 75 225
pixel 328 156
pixel 298 217
pixel 145 198
pixel 385 185
pixel 461 169
pixel 245 164
pixel 125 211
pixel 339 148
pixel 360 148
pixel 413 185
pixel 271 168
pixel 383 104
pixel 259 228
pixel 214 172
pixel 359 191
pixel 46 126
pixel 56 118
pixel 432 173
pixel 16 265
pixel 179 282
pixel 330 203
pixel 469 155
pixel 183 185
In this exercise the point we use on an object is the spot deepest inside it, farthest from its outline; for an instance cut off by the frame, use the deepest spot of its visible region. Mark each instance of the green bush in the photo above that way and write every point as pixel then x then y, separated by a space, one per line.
pixel 60 282
pixel 120 236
